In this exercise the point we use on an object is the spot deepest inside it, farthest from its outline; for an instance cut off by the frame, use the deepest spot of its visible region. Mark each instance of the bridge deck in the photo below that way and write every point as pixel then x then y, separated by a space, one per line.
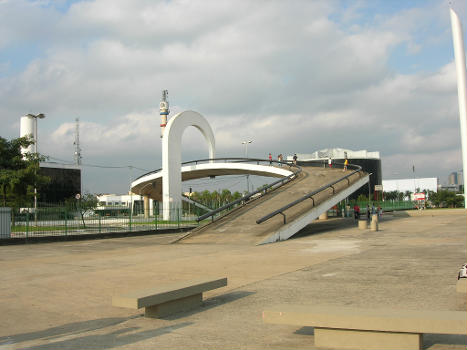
pixel 240 225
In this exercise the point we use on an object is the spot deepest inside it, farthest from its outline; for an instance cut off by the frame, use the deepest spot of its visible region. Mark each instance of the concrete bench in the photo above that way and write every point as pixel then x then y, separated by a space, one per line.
pixel 353 328
pixel 163 301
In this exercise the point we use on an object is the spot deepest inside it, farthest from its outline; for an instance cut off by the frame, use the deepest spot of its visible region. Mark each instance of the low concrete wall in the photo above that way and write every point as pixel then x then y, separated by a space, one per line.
pixel 89 236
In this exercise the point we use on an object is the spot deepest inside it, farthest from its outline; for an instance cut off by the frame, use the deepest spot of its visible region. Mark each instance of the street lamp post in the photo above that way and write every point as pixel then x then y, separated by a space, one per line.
pixel 35 116
pixel 246 156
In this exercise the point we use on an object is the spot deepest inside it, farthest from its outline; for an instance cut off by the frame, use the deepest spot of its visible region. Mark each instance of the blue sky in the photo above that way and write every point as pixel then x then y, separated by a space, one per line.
pixel 374 75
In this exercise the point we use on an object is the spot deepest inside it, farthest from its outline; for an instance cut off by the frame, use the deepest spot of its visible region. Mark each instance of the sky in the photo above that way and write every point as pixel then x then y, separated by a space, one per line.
pixel 293 76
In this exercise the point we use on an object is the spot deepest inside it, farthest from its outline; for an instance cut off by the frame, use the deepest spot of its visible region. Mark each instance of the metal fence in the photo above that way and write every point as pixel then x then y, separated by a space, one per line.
pixel 389 205
pixel 69 221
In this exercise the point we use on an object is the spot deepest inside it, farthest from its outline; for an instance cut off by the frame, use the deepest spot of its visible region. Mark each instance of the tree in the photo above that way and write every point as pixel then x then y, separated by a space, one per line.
pixel 362 198
pixel 84 205
pixel 408 195
pixel 444 198
pixel 19 174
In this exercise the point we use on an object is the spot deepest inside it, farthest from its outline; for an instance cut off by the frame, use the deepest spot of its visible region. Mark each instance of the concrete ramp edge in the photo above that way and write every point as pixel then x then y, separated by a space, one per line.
pixel 288 230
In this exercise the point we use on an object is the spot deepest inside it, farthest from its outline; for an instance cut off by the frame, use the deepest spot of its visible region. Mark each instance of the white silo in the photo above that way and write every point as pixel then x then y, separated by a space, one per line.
pixel 27 128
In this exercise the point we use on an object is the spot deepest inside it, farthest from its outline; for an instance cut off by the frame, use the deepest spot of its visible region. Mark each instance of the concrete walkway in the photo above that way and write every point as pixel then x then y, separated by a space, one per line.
pixel 58 295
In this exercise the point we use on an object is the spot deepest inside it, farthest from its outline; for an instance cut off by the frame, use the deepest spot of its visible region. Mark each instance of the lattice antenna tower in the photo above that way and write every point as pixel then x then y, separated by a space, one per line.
pixel 76 144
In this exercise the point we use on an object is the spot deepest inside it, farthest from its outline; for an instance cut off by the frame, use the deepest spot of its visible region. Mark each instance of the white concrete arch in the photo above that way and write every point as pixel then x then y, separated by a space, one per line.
pixel 172 157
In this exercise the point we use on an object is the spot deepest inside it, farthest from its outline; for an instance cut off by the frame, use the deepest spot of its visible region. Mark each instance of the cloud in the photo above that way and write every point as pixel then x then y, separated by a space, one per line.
pixel 289 75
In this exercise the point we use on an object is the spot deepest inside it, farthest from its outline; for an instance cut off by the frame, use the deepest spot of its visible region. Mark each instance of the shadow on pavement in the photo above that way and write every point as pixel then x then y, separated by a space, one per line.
pixel 443 339
pixel 212 303
pixel 305 331
pixel 334 224
pixel 109 340
pixel 330 225
pixel 67 329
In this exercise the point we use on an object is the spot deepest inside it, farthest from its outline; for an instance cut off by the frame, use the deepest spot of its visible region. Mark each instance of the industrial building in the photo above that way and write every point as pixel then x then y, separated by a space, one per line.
pixel 65 182
pixel 369 161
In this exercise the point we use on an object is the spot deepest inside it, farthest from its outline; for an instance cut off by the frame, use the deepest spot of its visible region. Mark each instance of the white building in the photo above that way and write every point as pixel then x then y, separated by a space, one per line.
pixel 123 201
pixel 403 185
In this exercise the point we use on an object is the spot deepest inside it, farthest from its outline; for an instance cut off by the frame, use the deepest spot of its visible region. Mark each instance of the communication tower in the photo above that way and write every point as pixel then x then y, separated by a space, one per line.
pixel 164 110
pixel 76 144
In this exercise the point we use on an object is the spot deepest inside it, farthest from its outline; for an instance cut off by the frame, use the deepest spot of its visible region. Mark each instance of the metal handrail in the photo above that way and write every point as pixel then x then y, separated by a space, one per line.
pixel 264 189
pixel 357 168
pixel 216 160
pixel 195 201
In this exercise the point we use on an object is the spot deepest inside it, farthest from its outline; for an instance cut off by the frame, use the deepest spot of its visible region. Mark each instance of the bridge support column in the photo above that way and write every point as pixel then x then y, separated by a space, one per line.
pixel 324 216
pixel 146 206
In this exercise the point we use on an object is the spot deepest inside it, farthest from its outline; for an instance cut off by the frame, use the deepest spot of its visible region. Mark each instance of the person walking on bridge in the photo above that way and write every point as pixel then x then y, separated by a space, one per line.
pixel 270 159
pixel 280 158
pixel 295 159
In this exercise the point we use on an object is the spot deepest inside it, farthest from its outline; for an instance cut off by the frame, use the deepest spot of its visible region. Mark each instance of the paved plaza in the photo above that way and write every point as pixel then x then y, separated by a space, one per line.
pixel 58 295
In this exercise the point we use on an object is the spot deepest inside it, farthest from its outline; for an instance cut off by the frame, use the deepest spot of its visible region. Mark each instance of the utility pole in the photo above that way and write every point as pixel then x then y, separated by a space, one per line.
pixel 246 156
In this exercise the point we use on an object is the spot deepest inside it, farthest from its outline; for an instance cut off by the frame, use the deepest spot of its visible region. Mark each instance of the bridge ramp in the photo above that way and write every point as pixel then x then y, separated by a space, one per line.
pixel 239 226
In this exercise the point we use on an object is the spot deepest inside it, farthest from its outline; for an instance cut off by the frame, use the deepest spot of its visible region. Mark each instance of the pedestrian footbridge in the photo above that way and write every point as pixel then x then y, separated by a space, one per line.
pixel 151 184
pixel 299 196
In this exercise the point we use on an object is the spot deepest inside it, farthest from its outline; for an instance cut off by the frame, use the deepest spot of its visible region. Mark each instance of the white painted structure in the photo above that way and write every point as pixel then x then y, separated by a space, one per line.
pixel 403 185
pixel 459 54
pixel 172 157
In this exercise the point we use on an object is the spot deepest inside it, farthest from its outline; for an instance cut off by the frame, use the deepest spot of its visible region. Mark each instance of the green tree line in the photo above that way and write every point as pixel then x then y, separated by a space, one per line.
pixel 215 199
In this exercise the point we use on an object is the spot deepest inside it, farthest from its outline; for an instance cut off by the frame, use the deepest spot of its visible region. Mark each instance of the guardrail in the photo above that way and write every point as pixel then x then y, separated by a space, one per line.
pixel 221 160
pixel 311 194
pixel 249 195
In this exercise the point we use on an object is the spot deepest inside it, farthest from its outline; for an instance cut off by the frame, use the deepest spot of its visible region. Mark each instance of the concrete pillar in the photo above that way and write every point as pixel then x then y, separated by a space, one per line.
pixel 459 58
pixel 375 217
pixel 146 206
pixel 324 216
pixel 374 223
pixel 362 224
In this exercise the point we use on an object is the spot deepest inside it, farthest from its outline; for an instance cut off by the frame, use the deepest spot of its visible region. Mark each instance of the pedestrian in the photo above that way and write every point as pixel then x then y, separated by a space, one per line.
pixel 346 162
pixel 356 212
pixel 270 159
pixel 330 162
pixel 295 159
pixel 380 211
pixel 280 159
